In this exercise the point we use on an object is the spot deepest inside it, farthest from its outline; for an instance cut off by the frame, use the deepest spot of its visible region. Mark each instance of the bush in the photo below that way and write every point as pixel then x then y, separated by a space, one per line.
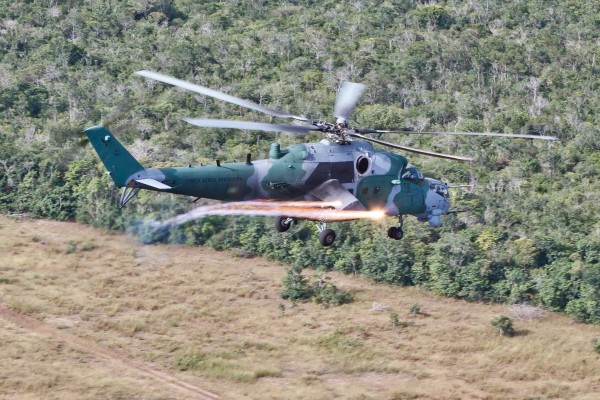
pixel 504 325
pixel 295 285
pixel 320 290
pixel 71 247
pixel 415 309
pixel 88 246
pixel 596 344
pixel 326 293
pixel 394 319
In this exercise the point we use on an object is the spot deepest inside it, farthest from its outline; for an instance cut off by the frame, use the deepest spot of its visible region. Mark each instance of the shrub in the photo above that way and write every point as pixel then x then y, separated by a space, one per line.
pixel 394 319
pixel 596 344
pixel 415 309
pixel 88 246
pixel 71 247
pixel 320 290
pixel 295 285
pixel 504 325
pixel 326 293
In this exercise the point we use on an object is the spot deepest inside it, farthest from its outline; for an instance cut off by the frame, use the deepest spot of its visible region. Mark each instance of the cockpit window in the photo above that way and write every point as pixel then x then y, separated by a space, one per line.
pixel 412 173
pixel 442 190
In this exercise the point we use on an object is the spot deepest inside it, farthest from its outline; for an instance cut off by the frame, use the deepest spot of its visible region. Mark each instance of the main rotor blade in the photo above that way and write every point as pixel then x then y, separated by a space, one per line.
pixel 347 98
pixel 217 95
pixel 254 126
pixel 463 133
pixel 411 149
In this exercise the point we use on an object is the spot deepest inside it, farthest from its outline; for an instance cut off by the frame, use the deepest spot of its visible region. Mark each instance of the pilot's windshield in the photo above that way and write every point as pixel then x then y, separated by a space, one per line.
pixel 412 173
pixel 442 190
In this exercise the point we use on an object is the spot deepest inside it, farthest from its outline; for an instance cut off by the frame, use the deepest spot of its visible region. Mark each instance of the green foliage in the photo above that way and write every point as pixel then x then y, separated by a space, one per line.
pixel 596 345
pixel 504 325
pixel 186 362
pixel 320 289
pixel 339 341
pixel 88 246
pixel 326 293
pixel 415 309
pixel 394 320
pixel 431 16
pixel 295 285
pixel 71 247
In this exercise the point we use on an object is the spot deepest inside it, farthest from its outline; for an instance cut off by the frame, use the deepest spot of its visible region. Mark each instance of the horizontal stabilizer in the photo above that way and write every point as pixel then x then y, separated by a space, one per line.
pixel 153 183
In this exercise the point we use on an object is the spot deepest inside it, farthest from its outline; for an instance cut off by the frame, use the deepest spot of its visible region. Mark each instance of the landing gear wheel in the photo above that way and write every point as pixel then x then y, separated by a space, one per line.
pixel 282 224
pixel 391 232
pixel 395 233
pixel 327 237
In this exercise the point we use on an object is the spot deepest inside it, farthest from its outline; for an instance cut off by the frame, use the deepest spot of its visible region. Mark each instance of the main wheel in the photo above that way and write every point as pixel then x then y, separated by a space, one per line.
pixel 282 224
pixel 327 237
pixel 395 233
pixel 391 232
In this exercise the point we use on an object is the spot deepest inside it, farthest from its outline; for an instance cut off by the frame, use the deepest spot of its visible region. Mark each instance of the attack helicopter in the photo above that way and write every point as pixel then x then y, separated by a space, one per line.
pixel 342 177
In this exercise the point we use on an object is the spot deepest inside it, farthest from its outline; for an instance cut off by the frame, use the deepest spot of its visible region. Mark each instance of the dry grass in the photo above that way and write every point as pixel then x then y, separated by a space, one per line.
pixel 215 321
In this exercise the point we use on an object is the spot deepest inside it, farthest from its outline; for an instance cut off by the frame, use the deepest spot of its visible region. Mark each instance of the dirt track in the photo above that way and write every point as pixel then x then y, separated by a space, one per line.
pixel 38 327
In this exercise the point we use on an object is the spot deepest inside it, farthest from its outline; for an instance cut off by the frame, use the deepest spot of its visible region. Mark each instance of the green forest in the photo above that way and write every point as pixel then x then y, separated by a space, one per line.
pixel 532 234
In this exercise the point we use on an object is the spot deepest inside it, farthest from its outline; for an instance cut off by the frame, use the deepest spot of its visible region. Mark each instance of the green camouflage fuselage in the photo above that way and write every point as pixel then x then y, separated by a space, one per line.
pixel 379 180
pixel 300 169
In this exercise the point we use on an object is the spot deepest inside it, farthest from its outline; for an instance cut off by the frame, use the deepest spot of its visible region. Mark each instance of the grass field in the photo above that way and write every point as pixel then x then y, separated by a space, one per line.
pixel 92 314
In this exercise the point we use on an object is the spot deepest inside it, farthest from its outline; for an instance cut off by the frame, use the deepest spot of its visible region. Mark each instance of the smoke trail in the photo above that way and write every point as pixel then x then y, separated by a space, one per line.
pixel 315 211
pixel 302 203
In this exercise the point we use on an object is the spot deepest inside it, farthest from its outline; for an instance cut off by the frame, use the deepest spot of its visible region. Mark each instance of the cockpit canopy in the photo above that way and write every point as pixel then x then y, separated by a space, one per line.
pixel 440 189
pixel 412 173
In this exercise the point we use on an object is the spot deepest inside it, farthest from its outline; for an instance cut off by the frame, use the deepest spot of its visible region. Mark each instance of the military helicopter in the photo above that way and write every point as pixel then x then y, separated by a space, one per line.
pixel 348 177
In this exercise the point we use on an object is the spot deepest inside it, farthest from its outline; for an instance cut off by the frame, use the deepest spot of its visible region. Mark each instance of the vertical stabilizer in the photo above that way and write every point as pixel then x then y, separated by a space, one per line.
pixel 117 160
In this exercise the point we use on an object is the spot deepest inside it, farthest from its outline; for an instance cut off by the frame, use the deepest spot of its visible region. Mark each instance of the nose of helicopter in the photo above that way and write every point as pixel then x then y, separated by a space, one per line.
pixel 437 202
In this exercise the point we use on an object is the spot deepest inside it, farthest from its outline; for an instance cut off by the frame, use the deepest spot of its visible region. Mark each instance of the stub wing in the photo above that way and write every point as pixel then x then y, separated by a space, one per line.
pixel 332 191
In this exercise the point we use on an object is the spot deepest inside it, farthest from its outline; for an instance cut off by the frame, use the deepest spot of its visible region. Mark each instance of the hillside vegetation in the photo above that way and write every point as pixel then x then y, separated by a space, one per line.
pixel 533 232
pixel 88 314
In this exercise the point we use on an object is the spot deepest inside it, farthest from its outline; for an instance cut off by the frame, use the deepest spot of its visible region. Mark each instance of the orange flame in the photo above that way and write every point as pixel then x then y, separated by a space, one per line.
pixel 309 210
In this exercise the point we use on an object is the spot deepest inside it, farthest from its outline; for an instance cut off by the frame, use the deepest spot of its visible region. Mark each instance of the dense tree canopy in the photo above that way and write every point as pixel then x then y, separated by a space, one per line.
pixel 526 66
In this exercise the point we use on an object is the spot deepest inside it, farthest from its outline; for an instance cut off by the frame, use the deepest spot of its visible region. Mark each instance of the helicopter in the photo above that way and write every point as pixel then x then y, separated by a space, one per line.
pixel 340 178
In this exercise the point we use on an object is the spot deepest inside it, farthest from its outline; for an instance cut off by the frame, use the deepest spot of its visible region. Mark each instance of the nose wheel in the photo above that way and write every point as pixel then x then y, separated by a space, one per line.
pixel 396 232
